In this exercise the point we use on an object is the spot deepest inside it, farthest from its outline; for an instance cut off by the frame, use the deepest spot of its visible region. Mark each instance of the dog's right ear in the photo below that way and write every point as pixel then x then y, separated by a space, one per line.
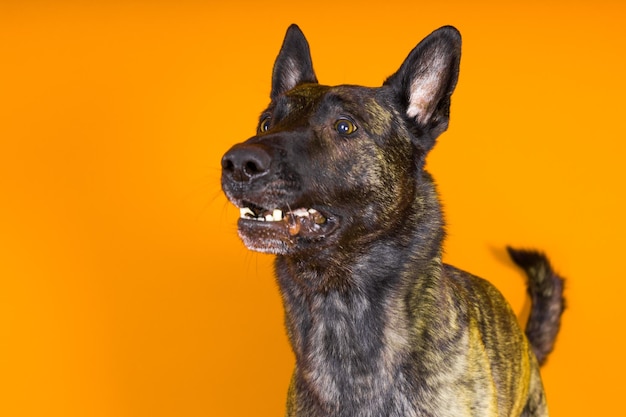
pixel 293 65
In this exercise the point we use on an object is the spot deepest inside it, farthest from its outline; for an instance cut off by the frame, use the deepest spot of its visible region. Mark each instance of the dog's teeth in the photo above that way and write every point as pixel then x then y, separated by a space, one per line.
pixel 278 215
pixel 318 218
pixel 245 213
pixel 301 212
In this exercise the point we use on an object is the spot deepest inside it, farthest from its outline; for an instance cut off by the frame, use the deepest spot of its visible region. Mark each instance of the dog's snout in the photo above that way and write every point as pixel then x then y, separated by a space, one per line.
pixel 244 163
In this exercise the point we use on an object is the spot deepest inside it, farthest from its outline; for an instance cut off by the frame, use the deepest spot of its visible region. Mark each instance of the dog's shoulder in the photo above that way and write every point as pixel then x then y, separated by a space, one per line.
pixel 484 304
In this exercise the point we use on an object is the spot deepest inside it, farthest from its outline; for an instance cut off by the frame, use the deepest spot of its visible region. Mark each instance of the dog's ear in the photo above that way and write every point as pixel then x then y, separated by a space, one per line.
pixel 293 65
pixel 425 81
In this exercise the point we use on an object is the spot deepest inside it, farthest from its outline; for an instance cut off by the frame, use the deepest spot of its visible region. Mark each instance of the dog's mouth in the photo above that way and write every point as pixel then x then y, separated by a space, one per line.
pixel 302 220
pixel 279 230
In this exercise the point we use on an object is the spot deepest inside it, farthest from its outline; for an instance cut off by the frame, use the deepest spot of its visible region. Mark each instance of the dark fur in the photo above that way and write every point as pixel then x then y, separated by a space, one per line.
pixel 379 325
pixel 545 289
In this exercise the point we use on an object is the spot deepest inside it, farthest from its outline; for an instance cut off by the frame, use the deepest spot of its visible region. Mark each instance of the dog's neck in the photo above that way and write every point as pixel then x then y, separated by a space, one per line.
pixel 348 319
pixel 353 345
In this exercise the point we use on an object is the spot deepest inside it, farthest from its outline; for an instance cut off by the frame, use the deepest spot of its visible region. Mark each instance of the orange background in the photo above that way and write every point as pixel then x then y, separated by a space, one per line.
pixel 124 290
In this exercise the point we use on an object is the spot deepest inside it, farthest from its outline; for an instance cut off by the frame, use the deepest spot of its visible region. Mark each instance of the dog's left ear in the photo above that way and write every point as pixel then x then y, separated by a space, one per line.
pixel 426 80
pixel 293 65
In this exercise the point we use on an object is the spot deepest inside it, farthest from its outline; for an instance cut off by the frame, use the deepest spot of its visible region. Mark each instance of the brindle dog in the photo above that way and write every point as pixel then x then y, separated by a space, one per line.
pixel 333 183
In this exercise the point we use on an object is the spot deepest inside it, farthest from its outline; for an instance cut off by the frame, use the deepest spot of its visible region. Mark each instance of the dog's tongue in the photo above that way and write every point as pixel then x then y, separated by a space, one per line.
pixel 304 222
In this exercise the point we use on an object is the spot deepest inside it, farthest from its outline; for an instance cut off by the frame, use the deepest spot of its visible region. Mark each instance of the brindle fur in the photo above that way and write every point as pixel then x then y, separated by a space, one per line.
pixel 379 325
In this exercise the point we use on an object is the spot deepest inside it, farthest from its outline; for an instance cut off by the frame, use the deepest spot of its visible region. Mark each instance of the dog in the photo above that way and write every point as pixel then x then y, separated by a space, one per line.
pixel 333 183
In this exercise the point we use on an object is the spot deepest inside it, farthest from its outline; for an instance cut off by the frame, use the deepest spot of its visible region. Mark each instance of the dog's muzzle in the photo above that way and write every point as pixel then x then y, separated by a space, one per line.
pixel 271 220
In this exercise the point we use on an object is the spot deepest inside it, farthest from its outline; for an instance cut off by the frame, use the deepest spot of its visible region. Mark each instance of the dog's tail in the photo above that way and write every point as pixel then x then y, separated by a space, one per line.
pixel 545 288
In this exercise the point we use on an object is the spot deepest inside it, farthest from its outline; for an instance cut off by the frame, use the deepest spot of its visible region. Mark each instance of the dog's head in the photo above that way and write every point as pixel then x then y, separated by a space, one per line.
pixel 339 165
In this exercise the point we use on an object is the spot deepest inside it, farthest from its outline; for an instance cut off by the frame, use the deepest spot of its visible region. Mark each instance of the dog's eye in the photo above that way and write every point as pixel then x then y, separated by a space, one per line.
pixel 264 126
pixel 345 127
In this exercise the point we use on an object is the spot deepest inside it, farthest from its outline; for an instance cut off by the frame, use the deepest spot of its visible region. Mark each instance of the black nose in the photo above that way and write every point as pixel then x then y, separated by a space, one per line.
pixel 245 163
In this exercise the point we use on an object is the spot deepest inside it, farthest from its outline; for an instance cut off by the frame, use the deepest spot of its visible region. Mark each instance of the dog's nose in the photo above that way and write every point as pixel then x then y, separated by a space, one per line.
pixel 244 163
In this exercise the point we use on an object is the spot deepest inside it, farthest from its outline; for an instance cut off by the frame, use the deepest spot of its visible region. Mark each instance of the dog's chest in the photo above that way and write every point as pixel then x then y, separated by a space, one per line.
pixel 347 357
pixel 356 357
